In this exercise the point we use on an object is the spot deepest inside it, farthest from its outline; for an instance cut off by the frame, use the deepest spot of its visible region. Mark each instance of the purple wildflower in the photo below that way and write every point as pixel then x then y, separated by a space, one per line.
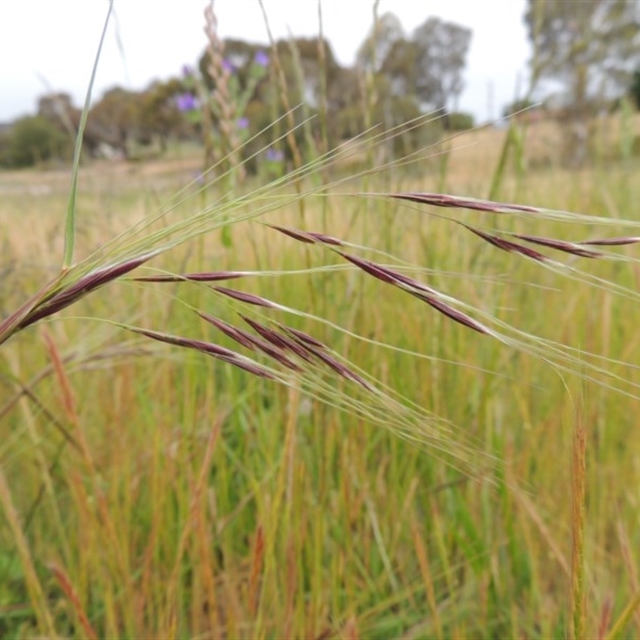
pixel 228 66
pixel 242 123
pixel 187 70
pixel 261 59
pixel 186 102
pixel 273 155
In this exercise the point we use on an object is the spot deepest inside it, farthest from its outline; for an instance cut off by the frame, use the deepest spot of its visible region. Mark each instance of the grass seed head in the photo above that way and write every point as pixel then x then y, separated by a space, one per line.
pixel 612 242
pixel 560 245
pixel 210 276
pixel 338 367
pixel 233 332
pixel 371 268
pixel 249 298
pixel 452 313
pixel 325 239
pixel 444 200
pixel 268 334
pixel 301 236
pixel 90 282
pixel 308 237
pixel 304 338
pixel 214 350
pixel 506 245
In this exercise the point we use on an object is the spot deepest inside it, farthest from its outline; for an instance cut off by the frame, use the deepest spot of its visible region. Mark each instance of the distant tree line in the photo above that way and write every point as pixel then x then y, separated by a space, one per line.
pixel 118 124
pixel 588 50
pixel 396 78
pixel 591 51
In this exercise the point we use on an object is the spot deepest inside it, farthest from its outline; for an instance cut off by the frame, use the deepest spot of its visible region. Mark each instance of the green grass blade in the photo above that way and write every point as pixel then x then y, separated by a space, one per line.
pixel 70 222
pixel 623 620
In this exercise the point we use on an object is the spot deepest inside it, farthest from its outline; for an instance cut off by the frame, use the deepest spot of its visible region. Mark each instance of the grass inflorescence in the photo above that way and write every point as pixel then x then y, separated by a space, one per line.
pixel 386 412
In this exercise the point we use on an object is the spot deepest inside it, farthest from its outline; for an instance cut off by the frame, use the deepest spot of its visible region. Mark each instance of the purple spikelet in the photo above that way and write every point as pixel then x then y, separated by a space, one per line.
pixel 214 350
pixel 444 200
pixel 211 276
pixel 560 245
pixel 249 298
pixel 506 245
pixel 90 282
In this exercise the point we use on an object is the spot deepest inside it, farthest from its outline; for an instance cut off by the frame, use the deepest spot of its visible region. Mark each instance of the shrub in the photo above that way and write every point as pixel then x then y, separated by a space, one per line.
pixel 33 139
pixel 460 121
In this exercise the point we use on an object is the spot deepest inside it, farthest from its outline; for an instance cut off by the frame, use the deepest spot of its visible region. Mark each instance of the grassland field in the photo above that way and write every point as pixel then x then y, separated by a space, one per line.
pixel 204 502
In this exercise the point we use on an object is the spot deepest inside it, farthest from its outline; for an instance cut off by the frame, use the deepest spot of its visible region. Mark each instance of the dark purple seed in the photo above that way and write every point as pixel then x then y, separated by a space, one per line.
pixel 233 332
pixel 249 298
pixel 213 276
pixel 304 337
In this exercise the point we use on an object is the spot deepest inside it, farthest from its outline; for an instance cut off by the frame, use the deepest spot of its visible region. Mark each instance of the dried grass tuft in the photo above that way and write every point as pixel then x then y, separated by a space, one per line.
pixel 214 350
pixel 230 143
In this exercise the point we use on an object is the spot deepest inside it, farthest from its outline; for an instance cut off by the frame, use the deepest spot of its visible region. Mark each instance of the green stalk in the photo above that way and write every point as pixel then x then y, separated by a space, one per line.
pixel 70 222
pixel 577 530
pixel 623 620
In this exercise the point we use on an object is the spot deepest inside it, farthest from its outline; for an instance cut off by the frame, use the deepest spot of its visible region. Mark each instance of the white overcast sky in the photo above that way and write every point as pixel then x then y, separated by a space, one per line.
pixel 52 43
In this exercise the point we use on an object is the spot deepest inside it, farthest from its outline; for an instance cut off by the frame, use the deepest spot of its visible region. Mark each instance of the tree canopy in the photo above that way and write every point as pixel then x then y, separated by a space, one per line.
pixel 410 73
pixel 590 48
pixel 427 66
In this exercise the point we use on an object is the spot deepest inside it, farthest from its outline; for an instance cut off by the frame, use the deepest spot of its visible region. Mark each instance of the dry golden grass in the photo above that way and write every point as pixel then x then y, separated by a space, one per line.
pixel 220 506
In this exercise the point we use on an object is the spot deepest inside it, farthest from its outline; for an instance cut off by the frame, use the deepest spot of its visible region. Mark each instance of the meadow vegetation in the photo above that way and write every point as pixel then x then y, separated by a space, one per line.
pixel 413 478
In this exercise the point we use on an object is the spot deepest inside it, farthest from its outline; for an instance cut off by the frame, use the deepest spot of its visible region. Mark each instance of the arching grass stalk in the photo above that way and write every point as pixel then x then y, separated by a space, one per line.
pixel 126 254
pixel 563 357
pixel 302 362
pixel 140 243
pixel 578 521
pixel 70 224
pixel 286 355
